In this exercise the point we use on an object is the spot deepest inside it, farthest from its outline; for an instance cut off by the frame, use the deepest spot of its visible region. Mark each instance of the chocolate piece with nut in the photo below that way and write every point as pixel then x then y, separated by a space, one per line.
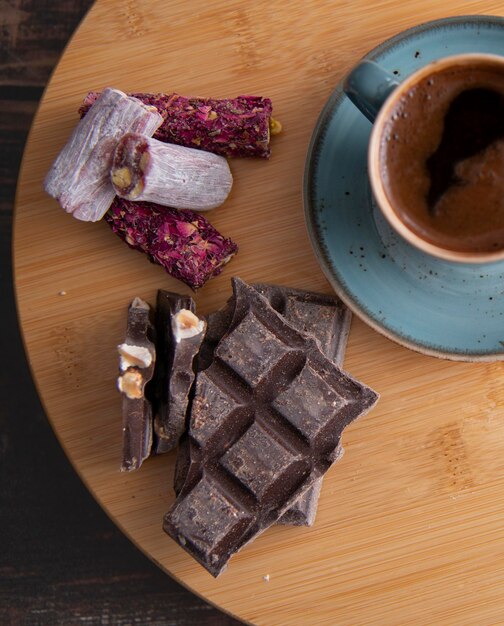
pixel 180 333
pixel 266 422
pixel 137 357
pixel 324 317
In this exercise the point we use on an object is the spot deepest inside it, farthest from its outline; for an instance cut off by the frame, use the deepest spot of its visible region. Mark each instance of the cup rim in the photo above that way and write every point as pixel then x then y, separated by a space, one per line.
pixel 377 186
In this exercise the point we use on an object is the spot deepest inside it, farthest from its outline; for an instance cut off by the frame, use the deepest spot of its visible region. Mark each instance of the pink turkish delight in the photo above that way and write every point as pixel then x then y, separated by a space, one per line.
pixel 182 241
pixel 237 127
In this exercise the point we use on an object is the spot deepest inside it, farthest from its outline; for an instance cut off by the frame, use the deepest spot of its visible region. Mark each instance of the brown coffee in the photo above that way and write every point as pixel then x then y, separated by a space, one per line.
pixel 442 158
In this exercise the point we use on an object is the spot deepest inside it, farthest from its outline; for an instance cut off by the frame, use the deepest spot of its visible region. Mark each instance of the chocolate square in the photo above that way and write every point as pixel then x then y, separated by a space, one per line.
pixel 258 461
pixel 209 519
pixel 251 350
pixel 309 403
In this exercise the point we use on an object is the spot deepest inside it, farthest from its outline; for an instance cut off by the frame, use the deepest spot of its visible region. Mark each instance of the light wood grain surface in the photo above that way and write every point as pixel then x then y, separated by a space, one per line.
pixel 409 529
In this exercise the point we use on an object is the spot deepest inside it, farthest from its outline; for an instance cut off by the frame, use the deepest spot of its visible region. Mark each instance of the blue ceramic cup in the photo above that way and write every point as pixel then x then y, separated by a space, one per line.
pixel 378 94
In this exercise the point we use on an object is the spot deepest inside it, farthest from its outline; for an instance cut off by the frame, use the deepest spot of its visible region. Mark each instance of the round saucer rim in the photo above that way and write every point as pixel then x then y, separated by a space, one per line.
pixel 328 110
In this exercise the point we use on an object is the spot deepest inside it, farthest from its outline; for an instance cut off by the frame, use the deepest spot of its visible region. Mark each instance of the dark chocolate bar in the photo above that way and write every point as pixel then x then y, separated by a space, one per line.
pixel 265 425
pixel 322 316
pixel 136 367
pixel 179 336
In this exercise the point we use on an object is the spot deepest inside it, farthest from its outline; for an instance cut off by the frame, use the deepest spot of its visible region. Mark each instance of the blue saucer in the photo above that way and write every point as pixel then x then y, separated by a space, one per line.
pixel 444 309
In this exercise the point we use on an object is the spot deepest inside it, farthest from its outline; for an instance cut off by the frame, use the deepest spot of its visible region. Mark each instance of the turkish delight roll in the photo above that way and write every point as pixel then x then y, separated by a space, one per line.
pixel 149 170
pixel 182 241
pixel 235 127
pixel 79 178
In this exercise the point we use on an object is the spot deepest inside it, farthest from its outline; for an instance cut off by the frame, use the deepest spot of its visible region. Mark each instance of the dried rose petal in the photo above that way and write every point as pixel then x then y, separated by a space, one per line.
pixel 182 241
pixel 238 127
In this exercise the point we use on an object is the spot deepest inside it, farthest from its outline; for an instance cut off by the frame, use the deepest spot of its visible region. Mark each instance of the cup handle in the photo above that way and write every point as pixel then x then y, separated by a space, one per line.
pixel 368 86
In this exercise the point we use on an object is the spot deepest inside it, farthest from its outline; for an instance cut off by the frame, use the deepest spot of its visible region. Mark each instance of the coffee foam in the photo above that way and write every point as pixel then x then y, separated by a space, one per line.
pixel 469 214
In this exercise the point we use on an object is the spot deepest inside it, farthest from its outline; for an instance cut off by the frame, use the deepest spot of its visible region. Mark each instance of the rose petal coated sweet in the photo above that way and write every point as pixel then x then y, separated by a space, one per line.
pixel 237 127
pixel 183 242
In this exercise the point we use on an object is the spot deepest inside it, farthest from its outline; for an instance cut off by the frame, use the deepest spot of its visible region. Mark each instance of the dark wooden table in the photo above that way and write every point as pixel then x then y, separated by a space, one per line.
pixel 62 561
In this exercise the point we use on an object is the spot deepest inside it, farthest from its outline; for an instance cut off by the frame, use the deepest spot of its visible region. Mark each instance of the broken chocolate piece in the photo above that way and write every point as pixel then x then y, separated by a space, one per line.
pixel 325 318
pixel 182 462
pixel 149 170
pixel 328 320
pixel 137 356
pixel 237 127
pixel 79 178
pixel 183 242
pixel 266 421
pixel 179 336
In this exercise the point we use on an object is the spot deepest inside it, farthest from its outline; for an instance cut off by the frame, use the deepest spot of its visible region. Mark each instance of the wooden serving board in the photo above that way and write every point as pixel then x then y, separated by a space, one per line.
pixel 410 524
